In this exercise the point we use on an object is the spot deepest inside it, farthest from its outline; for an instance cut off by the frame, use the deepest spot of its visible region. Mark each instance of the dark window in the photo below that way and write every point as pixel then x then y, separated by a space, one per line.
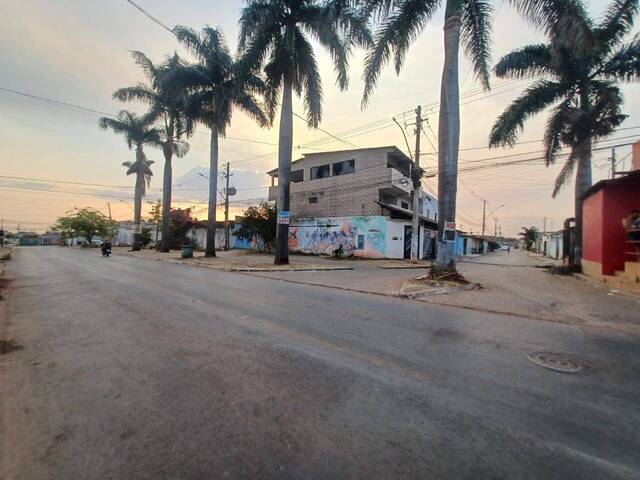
pixel 323 171
pixel 313 199
pixel 404 205
pixel 297 176
pixel 360 242
pixel 343 168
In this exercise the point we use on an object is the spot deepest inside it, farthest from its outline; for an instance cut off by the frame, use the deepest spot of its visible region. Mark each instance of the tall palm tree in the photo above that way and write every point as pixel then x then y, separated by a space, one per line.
pixel 219 85
pixel 275 34
pixel 138 132
pixel 576 73
pixel 400 23
pixel 167 105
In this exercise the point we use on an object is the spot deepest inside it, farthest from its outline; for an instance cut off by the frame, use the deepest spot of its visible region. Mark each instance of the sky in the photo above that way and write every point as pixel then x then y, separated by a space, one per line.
pixel 77 51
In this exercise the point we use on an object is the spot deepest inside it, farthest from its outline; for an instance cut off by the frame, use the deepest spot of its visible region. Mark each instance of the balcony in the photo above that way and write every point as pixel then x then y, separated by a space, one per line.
pixel 399 184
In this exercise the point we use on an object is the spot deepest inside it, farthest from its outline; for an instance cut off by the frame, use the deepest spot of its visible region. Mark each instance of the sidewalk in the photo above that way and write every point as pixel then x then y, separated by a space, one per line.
pixel 512 283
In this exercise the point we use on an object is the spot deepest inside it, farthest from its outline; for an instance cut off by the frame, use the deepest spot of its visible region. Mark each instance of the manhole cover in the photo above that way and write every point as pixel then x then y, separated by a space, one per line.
pixel 555 361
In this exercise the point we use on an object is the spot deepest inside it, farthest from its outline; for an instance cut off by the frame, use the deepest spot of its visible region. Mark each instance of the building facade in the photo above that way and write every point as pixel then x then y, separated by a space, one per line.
pixel 358 199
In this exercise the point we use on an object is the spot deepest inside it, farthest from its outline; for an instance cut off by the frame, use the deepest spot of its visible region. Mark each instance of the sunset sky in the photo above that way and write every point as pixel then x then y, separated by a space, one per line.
pixel 77 51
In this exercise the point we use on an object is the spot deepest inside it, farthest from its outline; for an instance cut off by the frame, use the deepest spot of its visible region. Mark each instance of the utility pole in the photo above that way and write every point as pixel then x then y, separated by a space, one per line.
pixel 110 221
pixel 226 210
pixel 484 216
pixel 415 220
pixel 495 227
pixel 613 163
pixel 544 225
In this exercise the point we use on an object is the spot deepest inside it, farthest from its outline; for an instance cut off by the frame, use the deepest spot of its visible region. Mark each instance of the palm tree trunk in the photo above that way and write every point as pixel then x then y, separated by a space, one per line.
pixel 285 144
pixel 583 177
pixel 167 149
pixel 448 135
pixel 213 194
pixel 137 200
pixel 583 182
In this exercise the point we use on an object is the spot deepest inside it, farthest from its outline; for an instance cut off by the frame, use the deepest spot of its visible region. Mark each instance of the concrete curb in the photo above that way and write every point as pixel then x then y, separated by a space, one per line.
pixel 574 322
pixel 196 263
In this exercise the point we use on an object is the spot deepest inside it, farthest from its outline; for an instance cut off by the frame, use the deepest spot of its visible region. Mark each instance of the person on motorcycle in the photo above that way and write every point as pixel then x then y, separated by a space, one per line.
pixel 106 247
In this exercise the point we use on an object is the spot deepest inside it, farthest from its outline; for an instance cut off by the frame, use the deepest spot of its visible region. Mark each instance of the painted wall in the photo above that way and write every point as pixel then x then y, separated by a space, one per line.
pixel 368 236
pixel 619 200
pixel 200 235
pixel 592 211
pixel 604 237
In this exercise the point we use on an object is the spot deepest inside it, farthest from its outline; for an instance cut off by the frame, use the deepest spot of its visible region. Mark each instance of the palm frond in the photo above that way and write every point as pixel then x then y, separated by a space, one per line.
pixel 562 20
pixel 557 125
pixel 625 63
pixel 536 98
pixel 476 37
pixel 565 174
pixel 399 29
pixel 526 62
pixel 309 78
pixel 149 69
pixel 617 21
pixel 138 92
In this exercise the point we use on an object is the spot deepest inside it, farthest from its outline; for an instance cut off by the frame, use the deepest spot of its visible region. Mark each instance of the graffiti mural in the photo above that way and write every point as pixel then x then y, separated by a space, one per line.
pixel 359 236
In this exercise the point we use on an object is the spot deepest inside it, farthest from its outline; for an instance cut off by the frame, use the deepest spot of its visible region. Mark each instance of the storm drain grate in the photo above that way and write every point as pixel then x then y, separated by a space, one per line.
pixel 555 361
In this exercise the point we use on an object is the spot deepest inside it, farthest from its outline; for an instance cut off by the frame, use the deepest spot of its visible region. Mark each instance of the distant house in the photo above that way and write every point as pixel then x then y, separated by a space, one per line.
pixel 51 238
pixel 552 244
pixel 358 199
pixel 28 238
pixel 124 235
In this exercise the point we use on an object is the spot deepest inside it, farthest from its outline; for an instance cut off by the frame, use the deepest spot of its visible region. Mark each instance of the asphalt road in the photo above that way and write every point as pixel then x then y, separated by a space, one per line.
pixel 132 368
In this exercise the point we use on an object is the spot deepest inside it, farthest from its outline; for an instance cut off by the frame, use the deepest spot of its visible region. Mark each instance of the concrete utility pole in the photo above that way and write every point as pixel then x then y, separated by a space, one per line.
pixel 226 209
pixel 110 221
pixel 495 227
pixel 415 221
pixel 484 216
pixel 613 163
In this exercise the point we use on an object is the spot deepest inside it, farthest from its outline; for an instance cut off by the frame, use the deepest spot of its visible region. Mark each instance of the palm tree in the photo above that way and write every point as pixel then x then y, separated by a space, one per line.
pixel 275 34
pixel 219 85
pixel 529 237
pixel 576 73
pixel 466 21
pixel 138 132
pixel 167 105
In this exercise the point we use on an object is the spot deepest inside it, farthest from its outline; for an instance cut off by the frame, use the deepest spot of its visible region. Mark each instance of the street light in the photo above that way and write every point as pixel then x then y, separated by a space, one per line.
pixel 495 209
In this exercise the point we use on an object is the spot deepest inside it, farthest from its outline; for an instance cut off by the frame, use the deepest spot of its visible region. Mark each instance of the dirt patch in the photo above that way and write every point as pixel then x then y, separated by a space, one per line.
pixel 8 346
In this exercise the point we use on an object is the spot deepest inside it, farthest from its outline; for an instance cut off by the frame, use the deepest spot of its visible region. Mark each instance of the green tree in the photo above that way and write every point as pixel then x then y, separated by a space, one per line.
pixel 181 221
pixel 85 222
pixel 145 237
pixel 219 85
pixel 400 23
pixel 275 34
pixel 138 132
pixel 258 225
pixel 167 102
pixel 576 74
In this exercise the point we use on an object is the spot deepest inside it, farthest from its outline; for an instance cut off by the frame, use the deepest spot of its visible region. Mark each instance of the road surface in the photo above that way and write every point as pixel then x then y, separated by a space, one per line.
pixel 133 368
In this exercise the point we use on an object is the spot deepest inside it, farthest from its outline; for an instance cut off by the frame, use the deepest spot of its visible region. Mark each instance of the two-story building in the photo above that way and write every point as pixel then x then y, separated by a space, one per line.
pixel 360 199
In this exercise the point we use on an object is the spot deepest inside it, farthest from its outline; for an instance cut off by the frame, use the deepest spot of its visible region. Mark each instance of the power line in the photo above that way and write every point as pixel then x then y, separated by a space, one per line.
pixel 147 14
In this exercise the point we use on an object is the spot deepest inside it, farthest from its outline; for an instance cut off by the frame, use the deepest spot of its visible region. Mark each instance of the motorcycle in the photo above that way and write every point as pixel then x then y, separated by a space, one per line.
pixel 106 249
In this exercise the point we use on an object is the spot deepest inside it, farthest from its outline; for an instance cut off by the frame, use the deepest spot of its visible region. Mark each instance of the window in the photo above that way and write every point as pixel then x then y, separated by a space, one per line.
pixel 322 171
pixel 297 176
pixel 404 205
pixel 343 168
pixel 313 199
pixel 360 242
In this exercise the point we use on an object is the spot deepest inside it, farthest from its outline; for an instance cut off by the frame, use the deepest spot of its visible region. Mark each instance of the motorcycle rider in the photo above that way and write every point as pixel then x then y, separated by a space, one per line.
pixel 106 248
